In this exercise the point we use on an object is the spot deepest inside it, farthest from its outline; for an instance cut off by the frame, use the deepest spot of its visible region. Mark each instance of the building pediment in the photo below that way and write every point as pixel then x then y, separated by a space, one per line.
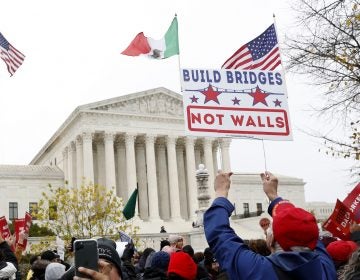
pixel 156 102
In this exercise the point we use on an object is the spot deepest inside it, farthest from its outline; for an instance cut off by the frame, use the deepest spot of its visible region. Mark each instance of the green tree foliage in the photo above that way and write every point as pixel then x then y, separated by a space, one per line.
pixel 87 211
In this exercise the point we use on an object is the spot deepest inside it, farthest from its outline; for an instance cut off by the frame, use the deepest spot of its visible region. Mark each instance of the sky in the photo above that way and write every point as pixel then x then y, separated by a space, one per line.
pixel 73 58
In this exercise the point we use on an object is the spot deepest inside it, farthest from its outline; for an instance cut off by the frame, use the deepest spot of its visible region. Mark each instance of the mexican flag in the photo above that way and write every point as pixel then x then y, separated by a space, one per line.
pixel 158 49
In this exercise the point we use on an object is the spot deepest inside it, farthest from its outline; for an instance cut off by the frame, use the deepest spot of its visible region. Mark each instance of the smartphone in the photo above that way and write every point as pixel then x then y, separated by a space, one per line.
pixel 86 255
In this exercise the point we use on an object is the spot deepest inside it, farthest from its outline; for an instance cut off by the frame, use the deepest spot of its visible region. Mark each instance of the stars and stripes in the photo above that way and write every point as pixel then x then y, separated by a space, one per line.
pixel 260 53
pixel 10 55
pixel 124 237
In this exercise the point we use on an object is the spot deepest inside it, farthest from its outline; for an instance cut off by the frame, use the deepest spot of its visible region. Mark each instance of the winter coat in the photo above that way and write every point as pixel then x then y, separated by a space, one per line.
pixel 240 262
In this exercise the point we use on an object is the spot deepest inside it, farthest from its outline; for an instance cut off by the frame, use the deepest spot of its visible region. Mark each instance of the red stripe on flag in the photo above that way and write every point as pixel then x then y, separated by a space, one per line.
pixel 265 59
pixel 138 46
pixel 235 54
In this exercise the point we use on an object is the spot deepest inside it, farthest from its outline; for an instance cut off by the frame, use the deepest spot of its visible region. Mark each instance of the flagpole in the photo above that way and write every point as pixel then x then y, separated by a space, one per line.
pixel 179 64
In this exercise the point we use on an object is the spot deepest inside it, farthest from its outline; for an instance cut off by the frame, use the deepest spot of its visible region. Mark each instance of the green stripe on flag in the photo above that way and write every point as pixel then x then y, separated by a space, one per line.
pixel 172 39
pixel 129 208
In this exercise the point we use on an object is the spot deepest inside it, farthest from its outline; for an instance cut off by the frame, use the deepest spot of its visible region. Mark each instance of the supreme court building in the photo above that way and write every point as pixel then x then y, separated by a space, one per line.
pixel 136 140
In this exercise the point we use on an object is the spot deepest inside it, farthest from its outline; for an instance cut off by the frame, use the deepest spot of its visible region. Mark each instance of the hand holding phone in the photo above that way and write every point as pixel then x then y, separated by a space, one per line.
pixel 86 255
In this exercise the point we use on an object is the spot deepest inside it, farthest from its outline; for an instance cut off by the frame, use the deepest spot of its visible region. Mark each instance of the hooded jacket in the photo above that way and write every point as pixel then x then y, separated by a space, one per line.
pixel 241 263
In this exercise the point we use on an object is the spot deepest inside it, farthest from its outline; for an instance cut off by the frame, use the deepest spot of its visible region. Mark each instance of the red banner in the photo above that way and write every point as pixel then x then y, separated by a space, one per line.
pixel 22 228
pixel 4 228
pixel 19 225
pixel 28 221
pixel 352 201
pixel 339 222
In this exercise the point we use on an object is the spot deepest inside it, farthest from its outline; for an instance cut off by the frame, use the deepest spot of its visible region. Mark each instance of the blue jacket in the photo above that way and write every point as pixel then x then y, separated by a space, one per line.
pixel 241 263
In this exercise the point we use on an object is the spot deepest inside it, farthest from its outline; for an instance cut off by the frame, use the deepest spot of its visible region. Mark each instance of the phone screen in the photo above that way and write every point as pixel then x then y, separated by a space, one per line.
pixel 86 255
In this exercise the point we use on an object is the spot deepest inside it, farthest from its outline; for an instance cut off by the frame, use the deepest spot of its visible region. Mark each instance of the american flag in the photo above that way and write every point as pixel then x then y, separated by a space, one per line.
pixel 10 55
pixel 260 53
pixel 124 237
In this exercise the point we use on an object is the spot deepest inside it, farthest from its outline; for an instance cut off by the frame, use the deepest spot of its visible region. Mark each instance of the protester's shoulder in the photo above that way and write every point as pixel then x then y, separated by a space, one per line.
pixel 223 202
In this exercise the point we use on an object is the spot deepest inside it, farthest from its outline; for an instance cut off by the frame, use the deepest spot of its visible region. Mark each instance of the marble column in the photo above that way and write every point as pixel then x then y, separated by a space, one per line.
pixel 88 157
pixel 72 164
pixel 184 211
pixel 191 179
pixel 130 163
pixel 153 199
pixel 197 155
pixel 100 160
pixel 121 187
pixel 109 160
pixel 142 181
pixel 162 176
pixel 65 164
pixel 79 162
pixel 225 154
pixel 215 158
pixel 173 178
pixel 209 164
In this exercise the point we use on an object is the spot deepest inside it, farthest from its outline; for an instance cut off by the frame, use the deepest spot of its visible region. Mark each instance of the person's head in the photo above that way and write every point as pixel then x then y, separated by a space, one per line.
pixel 160 260
pixel 168 249
pixel 264 224
pixel 34 258
pixel 294 227
pixel 54 271
pixel 164 243
pixel 107 252
pixel 181 265
pixel 176 241
pixel 341 251
pixel 143 257
pixel 208 254
pixel 39 267
pixel 259 246
pixel 212 266
pixel 51 256
pixel 198 257
pixel 189 250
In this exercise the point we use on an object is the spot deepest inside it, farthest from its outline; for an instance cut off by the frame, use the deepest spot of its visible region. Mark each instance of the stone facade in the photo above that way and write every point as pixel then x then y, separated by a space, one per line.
pixel 139 140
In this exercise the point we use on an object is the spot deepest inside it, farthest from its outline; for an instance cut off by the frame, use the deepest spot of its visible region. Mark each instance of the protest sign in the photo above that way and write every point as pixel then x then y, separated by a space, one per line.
pixel 352 201
pixel 236 103
pixel 4 228
pixel 339 221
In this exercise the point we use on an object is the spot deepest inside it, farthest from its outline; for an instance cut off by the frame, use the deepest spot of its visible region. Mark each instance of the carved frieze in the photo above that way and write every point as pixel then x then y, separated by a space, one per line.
pixel 155 104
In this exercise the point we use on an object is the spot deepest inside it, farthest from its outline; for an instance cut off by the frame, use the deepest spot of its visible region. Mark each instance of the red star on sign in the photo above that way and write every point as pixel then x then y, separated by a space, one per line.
pixel 211 95
pixel 259 96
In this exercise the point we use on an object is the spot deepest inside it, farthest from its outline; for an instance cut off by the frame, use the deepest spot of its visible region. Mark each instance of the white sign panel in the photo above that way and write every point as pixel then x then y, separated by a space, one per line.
pixel 236 103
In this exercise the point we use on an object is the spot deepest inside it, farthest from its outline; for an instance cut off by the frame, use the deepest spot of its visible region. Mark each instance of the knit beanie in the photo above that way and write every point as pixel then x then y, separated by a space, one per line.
pixel 54 271
pixel 107 251
pixel 294 226
pixel 182 265
pixel 341 250
pixel 160 260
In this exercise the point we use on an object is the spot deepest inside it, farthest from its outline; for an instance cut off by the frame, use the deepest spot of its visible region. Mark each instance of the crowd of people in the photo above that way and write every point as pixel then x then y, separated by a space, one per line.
pixel 292 248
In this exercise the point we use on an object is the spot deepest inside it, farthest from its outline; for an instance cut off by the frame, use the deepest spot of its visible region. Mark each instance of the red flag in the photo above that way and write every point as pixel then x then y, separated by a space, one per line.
pixel 352 201
pixel 138 46
pixel 4 228
pixel 339 222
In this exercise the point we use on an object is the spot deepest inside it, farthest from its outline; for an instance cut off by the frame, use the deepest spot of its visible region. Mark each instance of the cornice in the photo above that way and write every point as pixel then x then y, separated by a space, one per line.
pixel 84 109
